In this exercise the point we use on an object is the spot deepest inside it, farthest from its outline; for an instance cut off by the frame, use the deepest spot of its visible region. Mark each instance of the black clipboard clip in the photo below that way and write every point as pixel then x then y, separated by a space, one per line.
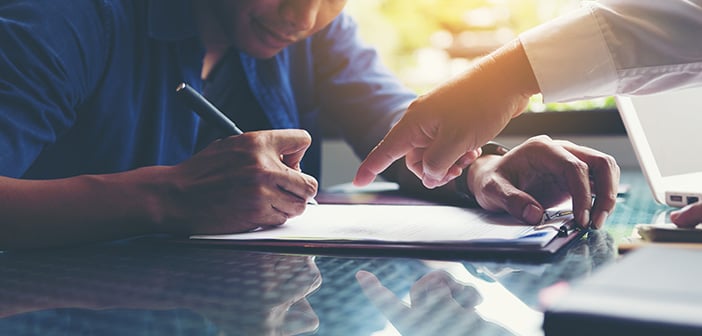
pixel 563 229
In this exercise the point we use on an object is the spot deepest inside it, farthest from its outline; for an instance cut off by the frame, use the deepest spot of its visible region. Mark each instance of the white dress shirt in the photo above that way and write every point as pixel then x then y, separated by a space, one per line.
pixel 617 47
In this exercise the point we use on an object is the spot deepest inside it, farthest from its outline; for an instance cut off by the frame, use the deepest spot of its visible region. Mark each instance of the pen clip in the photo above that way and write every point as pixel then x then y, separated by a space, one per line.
pixel 563 229
pixel 555 214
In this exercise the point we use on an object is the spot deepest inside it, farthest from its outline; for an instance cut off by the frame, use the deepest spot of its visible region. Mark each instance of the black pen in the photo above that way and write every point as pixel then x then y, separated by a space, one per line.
pixel 206 110
pixel 210 113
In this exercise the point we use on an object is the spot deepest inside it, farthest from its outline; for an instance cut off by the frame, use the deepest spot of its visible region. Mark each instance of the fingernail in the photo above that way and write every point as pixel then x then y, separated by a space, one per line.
pixel 532 214
pixel 430 182
pixel 599 219
pixel 585 220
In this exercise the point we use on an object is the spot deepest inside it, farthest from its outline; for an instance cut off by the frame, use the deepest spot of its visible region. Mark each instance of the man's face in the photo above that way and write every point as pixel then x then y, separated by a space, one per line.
pixel 262 28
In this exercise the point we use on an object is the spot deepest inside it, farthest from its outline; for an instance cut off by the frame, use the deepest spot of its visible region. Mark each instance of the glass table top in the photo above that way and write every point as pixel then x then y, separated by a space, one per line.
pixel 154 287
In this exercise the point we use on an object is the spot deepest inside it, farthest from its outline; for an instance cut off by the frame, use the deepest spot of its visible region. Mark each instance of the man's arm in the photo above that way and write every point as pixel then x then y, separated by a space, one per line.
pixel 44 213
pixel 235 184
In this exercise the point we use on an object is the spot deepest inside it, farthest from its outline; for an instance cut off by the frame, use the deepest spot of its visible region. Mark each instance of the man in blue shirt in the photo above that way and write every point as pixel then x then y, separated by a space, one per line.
pixel 94 144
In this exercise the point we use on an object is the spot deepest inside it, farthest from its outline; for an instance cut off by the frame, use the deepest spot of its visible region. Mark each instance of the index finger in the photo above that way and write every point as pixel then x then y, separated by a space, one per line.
pixel 394 146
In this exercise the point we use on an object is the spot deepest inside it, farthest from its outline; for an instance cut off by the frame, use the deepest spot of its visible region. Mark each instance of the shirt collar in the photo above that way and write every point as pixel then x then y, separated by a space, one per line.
pixel 171 20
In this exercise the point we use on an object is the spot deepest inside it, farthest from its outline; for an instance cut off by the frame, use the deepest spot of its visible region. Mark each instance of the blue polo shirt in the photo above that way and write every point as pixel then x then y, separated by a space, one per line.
pixel 88 87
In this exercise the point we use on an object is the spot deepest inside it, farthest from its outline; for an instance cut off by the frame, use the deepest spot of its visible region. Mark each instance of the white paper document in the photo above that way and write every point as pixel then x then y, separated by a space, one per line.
pixel 426 224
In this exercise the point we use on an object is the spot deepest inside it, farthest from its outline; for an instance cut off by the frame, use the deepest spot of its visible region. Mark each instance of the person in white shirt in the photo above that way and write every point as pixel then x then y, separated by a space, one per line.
pixel 603 48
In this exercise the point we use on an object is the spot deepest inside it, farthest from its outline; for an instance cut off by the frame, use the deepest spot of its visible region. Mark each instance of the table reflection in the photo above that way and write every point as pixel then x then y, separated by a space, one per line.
pixel 156 291
pixel 161 289
pixel 594 249
pixel 438 305
pixel 482 297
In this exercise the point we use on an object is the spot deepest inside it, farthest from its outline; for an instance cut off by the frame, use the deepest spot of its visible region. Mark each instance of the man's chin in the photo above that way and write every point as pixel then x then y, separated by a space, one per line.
pixel 263 53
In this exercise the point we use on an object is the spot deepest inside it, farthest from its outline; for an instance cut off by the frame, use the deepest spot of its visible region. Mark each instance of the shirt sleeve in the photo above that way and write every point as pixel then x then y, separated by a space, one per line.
pixel 358 95
pixel 617 47
pixel 51 54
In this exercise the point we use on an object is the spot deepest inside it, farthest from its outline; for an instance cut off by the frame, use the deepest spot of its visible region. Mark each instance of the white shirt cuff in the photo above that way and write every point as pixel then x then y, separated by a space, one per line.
pixel 570 57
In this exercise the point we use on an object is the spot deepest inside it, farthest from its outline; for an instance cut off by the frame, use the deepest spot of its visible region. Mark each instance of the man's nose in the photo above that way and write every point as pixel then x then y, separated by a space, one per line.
pixel 300 15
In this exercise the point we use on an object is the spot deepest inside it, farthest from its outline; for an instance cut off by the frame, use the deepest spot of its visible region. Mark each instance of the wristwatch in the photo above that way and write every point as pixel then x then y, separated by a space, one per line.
pixel 490 148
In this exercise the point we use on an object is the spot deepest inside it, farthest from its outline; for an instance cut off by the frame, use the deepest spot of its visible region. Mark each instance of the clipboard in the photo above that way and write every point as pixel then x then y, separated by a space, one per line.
pixel 415 250
pixel 557 224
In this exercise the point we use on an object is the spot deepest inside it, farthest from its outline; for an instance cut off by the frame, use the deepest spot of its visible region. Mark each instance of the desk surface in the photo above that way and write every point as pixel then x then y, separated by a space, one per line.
pixel 147 287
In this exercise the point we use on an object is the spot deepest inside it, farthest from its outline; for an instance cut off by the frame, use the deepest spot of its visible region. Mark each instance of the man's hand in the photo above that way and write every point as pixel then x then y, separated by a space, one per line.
pixel 240 183
pixel 541 173
pixel 689 216
pixel 441 132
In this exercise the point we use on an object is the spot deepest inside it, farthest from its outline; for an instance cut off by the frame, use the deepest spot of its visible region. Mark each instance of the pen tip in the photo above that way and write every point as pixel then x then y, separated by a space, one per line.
pixel 180 86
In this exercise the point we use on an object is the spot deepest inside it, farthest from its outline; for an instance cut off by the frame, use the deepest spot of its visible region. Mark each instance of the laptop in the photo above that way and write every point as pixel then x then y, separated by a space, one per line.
pixel 665 130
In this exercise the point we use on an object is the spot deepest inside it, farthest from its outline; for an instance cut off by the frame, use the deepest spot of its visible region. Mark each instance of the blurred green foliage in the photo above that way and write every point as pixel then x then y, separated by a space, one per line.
pixel 416 20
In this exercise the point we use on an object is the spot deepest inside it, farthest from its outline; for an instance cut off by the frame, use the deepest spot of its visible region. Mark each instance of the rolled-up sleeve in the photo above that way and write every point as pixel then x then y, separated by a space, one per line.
pixel 617 47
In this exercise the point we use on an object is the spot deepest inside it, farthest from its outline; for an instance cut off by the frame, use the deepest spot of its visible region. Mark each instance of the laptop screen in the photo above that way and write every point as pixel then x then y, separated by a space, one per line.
pixel 672 125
